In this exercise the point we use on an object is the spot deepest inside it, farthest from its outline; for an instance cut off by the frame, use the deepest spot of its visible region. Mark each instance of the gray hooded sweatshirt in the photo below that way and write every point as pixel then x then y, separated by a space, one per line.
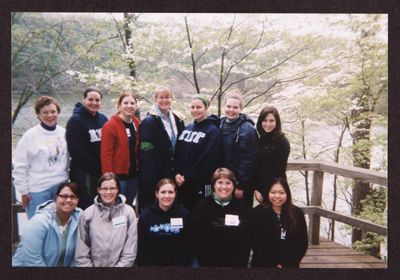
pixel 107 236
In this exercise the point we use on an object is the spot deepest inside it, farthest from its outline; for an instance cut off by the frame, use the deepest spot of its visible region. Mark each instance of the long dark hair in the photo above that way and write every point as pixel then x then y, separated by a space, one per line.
pixel 264 112
pixel 287 212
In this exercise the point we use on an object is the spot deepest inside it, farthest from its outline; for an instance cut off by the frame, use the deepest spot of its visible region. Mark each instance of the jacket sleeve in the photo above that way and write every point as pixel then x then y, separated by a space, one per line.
pixel 129 251
pixel 76 140
pixel 83 250
pixel 31 253
pixel 146 162
pixel 207 159
pixel 282 158
pixel 248 150
pixel 21 162
pixel 143 251
pixel 108 135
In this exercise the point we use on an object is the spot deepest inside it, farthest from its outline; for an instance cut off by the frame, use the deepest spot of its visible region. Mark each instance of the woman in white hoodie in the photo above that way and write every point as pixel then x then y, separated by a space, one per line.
pixel 107 231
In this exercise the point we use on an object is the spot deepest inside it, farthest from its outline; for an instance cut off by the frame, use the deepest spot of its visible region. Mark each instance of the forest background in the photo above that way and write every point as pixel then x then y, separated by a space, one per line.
pixel 326 73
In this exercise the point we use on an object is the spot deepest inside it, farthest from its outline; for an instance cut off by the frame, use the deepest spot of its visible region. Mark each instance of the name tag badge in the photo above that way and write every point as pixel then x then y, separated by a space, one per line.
pixel 232 220
pixel 283 234
pixel 128 132
pixel 119 221
pixel 176 223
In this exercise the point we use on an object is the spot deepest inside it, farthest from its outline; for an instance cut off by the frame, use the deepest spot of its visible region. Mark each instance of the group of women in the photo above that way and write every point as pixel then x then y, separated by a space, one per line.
pixel 213 167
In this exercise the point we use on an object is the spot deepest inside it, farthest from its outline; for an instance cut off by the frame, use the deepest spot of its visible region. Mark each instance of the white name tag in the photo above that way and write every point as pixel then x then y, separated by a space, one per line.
pixel 128 132
pixel 232 220
pixel 283 234
pixel 119 221
pixel 176 223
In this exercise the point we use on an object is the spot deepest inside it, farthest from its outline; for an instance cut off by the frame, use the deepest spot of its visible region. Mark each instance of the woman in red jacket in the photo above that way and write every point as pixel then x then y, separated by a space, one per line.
pixel 119 145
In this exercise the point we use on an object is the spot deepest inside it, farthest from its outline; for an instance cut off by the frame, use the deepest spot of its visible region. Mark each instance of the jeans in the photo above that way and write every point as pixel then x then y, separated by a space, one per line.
pixel 129 189
pixel 40 197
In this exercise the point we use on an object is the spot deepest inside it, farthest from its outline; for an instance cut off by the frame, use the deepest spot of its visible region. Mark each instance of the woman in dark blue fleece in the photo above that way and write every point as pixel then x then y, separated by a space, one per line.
pixel 158 134
pixel 239 145
pixel 162 235
pixel 198 150
pixel 83 139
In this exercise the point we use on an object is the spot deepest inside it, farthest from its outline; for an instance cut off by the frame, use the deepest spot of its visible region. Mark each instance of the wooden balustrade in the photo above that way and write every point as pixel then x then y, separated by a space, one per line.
pixel 315 210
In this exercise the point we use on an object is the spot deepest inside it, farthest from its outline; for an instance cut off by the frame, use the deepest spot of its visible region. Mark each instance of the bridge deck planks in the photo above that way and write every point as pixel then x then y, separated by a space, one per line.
pixel 329 254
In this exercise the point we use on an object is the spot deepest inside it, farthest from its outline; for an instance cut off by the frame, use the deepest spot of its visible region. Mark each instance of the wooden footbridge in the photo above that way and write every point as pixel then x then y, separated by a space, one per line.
pixel 320 253
pixel 328 254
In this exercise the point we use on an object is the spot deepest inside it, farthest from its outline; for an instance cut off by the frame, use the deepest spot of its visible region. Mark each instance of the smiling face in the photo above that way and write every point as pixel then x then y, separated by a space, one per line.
pixel 163 101
pixel 127 107
pixel 269 123
pixel 66 201
pixel 48 115
pixel 92 102
pixel 223 188
pixel 198 110
pixel 166 196
pixel 232 108
pixel 108 191
pixel 277 196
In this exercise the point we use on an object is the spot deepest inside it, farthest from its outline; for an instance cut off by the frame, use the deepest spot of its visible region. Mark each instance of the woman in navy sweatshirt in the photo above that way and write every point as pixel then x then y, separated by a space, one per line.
pixel 83 139
pixel 198 150
pixel 162 230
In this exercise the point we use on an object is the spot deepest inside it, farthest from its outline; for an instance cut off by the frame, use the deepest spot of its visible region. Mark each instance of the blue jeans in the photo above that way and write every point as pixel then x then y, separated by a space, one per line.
pixel 129 189
pixel 40 197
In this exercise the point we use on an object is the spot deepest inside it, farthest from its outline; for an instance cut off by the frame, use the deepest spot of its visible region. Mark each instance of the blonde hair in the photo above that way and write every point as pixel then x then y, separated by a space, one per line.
pixel 161 89
pixel 235 94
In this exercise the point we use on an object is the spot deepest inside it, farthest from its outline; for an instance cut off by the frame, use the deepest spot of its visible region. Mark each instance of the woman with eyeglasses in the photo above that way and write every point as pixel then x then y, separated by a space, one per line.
pixel 107 232
pixel 158 132
pixel 83 136
pixel 41 160
pixel 49 237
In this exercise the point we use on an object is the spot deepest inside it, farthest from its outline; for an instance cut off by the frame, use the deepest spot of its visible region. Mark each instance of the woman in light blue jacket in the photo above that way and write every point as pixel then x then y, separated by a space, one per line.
pixel 49 237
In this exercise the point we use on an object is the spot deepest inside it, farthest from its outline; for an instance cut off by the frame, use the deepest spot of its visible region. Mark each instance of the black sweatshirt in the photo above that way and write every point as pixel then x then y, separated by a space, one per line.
pixel 268 247
pixel 159 244
pixel 215 243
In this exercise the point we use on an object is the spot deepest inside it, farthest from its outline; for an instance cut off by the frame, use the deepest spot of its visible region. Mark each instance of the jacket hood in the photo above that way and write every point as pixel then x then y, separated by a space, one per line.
pixel 155 206
pixel 240 120
pixel 211 119
pixel 81 110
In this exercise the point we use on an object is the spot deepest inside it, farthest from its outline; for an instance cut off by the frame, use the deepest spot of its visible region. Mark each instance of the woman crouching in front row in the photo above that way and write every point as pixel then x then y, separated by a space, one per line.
pixel 279 229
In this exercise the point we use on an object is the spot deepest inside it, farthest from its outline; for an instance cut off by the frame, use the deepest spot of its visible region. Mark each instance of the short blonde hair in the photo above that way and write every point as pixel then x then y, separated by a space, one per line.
pixel 161 89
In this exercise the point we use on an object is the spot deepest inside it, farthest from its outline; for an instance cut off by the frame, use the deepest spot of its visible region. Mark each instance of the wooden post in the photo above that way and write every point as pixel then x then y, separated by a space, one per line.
pixel 316 199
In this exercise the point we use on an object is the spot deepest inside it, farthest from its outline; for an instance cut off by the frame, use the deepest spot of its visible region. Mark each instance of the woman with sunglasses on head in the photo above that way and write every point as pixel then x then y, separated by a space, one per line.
pixel 83 136
pixel 279 229
pixel 49 237
pixel 120 145
pixel 107 233
pixel 220 225
pixel 162 232
pixel 197 152
pixel 158 132
pixel 41 160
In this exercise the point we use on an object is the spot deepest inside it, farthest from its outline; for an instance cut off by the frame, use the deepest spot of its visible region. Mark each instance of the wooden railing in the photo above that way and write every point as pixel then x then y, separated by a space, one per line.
pixel 315 210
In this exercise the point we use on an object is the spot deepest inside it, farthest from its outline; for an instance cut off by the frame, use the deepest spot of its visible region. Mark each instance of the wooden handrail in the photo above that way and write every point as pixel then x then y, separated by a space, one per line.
pixel 315 211
pixel 357 173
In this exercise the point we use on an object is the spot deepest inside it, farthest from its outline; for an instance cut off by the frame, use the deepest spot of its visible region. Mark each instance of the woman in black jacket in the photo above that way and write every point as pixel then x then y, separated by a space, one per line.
pixel 162 233
pixel 274 149
pixel 158 132
pixel 279 230
pixel 220 226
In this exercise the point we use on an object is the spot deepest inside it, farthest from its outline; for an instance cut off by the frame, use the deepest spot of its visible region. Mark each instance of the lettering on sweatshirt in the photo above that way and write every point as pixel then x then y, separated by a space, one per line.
pixel 192 136
pixel 95 135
